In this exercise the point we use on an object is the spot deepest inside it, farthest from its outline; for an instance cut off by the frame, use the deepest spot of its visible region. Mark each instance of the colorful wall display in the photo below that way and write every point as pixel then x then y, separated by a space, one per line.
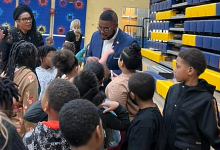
pixel 64 13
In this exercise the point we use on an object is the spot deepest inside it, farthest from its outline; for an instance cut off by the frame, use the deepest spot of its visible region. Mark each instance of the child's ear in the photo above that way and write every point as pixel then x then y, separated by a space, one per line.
pixel 191 71
pixel 46 106
pixel 133 96
pixel 77 69
pixel 121 63
pixel 98 131
pixel 41 59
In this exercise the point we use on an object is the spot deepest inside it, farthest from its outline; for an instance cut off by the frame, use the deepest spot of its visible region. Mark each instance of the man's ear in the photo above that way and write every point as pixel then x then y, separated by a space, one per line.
pixel 116 26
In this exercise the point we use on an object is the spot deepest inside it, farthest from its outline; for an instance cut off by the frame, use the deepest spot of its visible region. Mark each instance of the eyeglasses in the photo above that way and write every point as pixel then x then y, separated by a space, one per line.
pixel 26 19
pixel 105 29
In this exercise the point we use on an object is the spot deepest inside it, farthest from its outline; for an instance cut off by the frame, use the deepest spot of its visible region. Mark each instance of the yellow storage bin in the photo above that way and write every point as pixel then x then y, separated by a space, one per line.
pixel 194 11
pixel 185 39
pixel 189 39
pixel 212 77
pixel 162 87
pixel 192 40
pixel 152 55
pixel 188 12
pixel 210 9
pixel 157 16
pixel 201 11
pixel 174 64
pixel 161 36
pixel 165 15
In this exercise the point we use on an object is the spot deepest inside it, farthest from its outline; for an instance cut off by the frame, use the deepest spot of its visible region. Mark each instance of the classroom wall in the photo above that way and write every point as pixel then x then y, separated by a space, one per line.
pixel 95 8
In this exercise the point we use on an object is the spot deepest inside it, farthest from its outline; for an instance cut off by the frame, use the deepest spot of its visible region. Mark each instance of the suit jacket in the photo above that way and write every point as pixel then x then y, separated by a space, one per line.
pixel 121 41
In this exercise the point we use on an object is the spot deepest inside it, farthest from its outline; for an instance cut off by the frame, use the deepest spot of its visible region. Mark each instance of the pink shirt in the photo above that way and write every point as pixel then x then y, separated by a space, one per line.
pixel 117 91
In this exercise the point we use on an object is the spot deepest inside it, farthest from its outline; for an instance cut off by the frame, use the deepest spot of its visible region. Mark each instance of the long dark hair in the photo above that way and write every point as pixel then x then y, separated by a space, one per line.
pixel 22 54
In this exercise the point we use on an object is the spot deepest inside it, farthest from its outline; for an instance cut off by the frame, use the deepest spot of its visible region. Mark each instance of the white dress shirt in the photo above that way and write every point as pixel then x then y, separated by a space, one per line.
pixel 108 43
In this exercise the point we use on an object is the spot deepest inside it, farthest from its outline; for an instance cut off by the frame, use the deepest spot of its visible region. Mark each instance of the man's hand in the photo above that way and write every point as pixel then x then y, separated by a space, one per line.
pixel 90 59
pixel 1 35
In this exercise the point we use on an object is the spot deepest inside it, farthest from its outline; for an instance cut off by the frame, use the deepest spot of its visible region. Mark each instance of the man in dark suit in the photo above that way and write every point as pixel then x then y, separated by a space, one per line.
pixel 107 36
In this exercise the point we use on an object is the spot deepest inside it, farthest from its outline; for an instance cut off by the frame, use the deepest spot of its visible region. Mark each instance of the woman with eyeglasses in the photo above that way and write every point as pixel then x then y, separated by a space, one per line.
pixel 25 30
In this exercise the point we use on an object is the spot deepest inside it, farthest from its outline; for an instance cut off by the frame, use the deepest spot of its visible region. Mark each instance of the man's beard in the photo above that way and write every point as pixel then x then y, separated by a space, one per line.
pixel 114 31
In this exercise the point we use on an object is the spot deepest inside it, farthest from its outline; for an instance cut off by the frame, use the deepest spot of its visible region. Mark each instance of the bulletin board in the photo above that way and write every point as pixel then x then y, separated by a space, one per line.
pixel 6 12
pixel 65 12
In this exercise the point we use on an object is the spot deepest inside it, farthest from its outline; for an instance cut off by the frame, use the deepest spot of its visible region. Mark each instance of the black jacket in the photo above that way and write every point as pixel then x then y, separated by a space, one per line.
pixel 14 139
pixel 14 35
pixel 191 117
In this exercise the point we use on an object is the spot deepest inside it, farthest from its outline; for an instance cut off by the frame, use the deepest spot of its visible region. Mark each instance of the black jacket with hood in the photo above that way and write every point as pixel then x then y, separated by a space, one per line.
pixel 191 117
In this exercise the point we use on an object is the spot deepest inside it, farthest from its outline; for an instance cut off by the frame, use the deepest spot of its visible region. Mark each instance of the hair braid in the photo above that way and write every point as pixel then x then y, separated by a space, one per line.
pixel 22 54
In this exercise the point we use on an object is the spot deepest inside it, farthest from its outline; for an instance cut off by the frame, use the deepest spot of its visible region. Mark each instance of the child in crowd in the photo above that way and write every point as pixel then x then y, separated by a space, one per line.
pixel 88 86
pixel 66 62
pixel 81 125
pixel 190 111
pixel 80 55
pixel 69 46
pixel 46 72
pixel 49 40
pixel 130 60
pixel 9 137
pixel 21 69
pixel 99 71
pixel 146 129
pixel 47 135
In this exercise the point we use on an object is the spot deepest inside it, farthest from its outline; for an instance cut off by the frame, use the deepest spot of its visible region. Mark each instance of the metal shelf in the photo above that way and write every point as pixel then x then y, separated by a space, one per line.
pixel 176 41
pixel 177 29
pixel 185 4
pixel 180 5
pixel 173 52
pixel 178 17
pixel 166 64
